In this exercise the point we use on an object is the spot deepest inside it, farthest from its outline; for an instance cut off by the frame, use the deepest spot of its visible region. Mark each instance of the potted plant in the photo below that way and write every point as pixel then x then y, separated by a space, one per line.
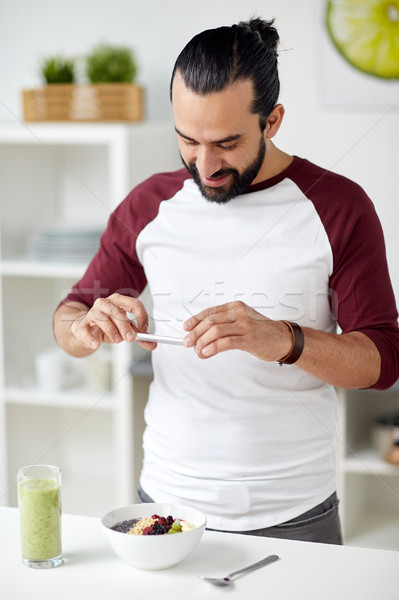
pixel 57 69
pixel 111 71
pixel 109 95
pixel 111 64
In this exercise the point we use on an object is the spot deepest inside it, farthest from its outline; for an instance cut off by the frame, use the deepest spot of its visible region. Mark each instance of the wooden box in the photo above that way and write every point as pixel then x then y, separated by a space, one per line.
pixel 96 102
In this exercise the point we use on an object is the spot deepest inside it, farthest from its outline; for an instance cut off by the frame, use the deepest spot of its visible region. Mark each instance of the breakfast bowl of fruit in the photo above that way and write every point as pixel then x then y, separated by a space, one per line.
pixel 153 535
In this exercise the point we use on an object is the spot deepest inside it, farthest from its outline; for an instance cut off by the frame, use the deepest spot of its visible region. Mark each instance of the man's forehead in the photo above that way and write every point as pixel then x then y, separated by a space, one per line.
pixel 223 113
pixel 242 86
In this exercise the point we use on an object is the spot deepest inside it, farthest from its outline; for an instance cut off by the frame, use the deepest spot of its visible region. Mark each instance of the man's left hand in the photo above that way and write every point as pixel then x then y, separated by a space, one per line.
pixel 237 326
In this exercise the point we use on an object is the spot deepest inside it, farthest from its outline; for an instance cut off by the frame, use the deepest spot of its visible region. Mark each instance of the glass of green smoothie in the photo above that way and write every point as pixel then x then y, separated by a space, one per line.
pixel 39 502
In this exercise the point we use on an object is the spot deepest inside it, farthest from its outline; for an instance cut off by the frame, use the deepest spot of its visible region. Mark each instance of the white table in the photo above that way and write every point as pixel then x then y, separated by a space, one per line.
pixel 306 570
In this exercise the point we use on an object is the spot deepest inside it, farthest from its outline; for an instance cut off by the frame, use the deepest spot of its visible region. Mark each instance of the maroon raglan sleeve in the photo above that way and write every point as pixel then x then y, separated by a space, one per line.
pixel 116 267
pixel 361 291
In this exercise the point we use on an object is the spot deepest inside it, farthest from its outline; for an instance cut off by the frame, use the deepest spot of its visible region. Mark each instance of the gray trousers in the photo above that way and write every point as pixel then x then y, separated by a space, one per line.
pixel 319 524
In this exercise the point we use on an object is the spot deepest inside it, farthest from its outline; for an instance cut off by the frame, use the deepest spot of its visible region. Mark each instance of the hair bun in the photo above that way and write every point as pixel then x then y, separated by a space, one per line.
pixel 265 29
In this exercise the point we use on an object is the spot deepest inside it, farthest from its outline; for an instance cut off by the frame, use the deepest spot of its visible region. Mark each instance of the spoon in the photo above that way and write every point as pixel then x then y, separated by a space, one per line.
pixel 226 580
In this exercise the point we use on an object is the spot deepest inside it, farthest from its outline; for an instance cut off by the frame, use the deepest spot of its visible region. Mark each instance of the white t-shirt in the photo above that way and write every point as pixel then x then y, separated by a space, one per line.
pixel 249 442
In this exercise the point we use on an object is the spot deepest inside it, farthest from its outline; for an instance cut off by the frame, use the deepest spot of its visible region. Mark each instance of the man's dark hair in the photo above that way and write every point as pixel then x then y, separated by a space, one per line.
pixel 216 58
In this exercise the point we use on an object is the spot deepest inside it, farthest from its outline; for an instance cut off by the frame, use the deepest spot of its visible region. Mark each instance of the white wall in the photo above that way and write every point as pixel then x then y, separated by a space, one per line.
pixel 360 142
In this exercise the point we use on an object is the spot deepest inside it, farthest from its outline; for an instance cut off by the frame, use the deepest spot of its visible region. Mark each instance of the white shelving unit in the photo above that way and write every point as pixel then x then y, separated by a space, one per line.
pixel 368 485
pixel 67 173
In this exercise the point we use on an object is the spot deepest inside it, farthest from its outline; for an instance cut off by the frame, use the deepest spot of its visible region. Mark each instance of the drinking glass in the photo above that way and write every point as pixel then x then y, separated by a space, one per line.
pixel 39 502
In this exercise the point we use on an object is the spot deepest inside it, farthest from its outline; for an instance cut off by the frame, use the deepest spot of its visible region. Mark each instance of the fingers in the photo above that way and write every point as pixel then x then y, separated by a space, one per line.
pixel 216 329
pixel 88 336
pixel 223 311
pixel 107 321
pixel 148 345
pixel 236 326
pixel 110 316
pixel 206 348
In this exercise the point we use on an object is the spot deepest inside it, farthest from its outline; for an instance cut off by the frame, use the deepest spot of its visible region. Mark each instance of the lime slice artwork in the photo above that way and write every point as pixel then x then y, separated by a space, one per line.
pixel 366 33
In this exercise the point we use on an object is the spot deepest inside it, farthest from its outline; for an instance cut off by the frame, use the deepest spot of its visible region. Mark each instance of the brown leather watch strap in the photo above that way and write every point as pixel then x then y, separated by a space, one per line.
pixel 298 342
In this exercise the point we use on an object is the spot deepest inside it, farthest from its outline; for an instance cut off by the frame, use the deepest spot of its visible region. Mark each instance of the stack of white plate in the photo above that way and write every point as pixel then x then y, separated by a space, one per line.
pixel 65 243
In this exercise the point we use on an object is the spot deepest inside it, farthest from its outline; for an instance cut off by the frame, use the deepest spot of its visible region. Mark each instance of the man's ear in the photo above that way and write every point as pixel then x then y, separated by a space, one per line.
pixel 274 121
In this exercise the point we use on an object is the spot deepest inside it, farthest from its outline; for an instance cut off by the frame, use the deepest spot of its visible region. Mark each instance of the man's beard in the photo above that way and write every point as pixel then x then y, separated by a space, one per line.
pixel 239 183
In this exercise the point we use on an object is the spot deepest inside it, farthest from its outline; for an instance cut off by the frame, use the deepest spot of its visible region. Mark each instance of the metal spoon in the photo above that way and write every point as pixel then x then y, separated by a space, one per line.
pixel 226 580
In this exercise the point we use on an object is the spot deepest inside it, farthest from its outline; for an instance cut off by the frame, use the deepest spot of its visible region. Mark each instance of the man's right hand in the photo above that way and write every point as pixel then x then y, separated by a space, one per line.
pixel 80 330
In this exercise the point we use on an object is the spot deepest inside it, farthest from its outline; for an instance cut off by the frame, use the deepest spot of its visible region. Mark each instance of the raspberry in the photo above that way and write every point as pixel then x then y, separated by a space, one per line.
pixel 147 530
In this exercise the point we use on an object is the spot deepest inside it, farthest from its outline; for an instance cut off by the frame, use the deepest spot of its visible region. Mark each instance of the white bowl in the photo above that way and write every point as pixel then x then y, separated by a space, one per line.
pixel 154 552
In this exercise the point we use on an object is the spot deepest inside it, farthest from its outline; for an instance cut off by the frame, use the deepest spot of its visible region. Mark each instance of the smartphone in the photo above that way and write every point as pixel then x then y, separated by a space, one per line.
pixel 160 339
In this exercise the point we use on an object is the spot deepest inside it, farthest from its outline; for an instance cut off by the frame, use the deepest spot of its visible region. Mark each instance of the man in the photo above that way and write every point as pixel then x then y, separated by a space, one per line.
pixel 256 255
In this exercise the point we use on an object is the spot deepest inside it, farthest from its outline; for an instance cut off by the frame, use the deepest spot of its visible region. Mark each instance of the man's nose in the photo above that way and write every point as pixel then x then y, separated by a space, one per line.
pixel 208 162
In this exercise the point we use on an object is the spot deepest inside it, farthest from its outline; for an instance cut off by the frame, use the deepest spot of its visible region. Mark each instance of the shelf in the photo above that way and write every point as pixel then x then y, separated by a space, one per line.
pixel 88 134
pixel 61 133
pixel 77 398
pixel 70 171
pixel 376 530
pixel 366 461
pixel 31 268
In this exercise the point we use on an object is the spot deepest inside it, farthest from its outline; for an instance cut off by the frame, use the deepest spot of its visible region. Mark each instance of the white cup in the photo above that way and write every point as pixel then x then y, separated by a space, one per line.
pixel 56 370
